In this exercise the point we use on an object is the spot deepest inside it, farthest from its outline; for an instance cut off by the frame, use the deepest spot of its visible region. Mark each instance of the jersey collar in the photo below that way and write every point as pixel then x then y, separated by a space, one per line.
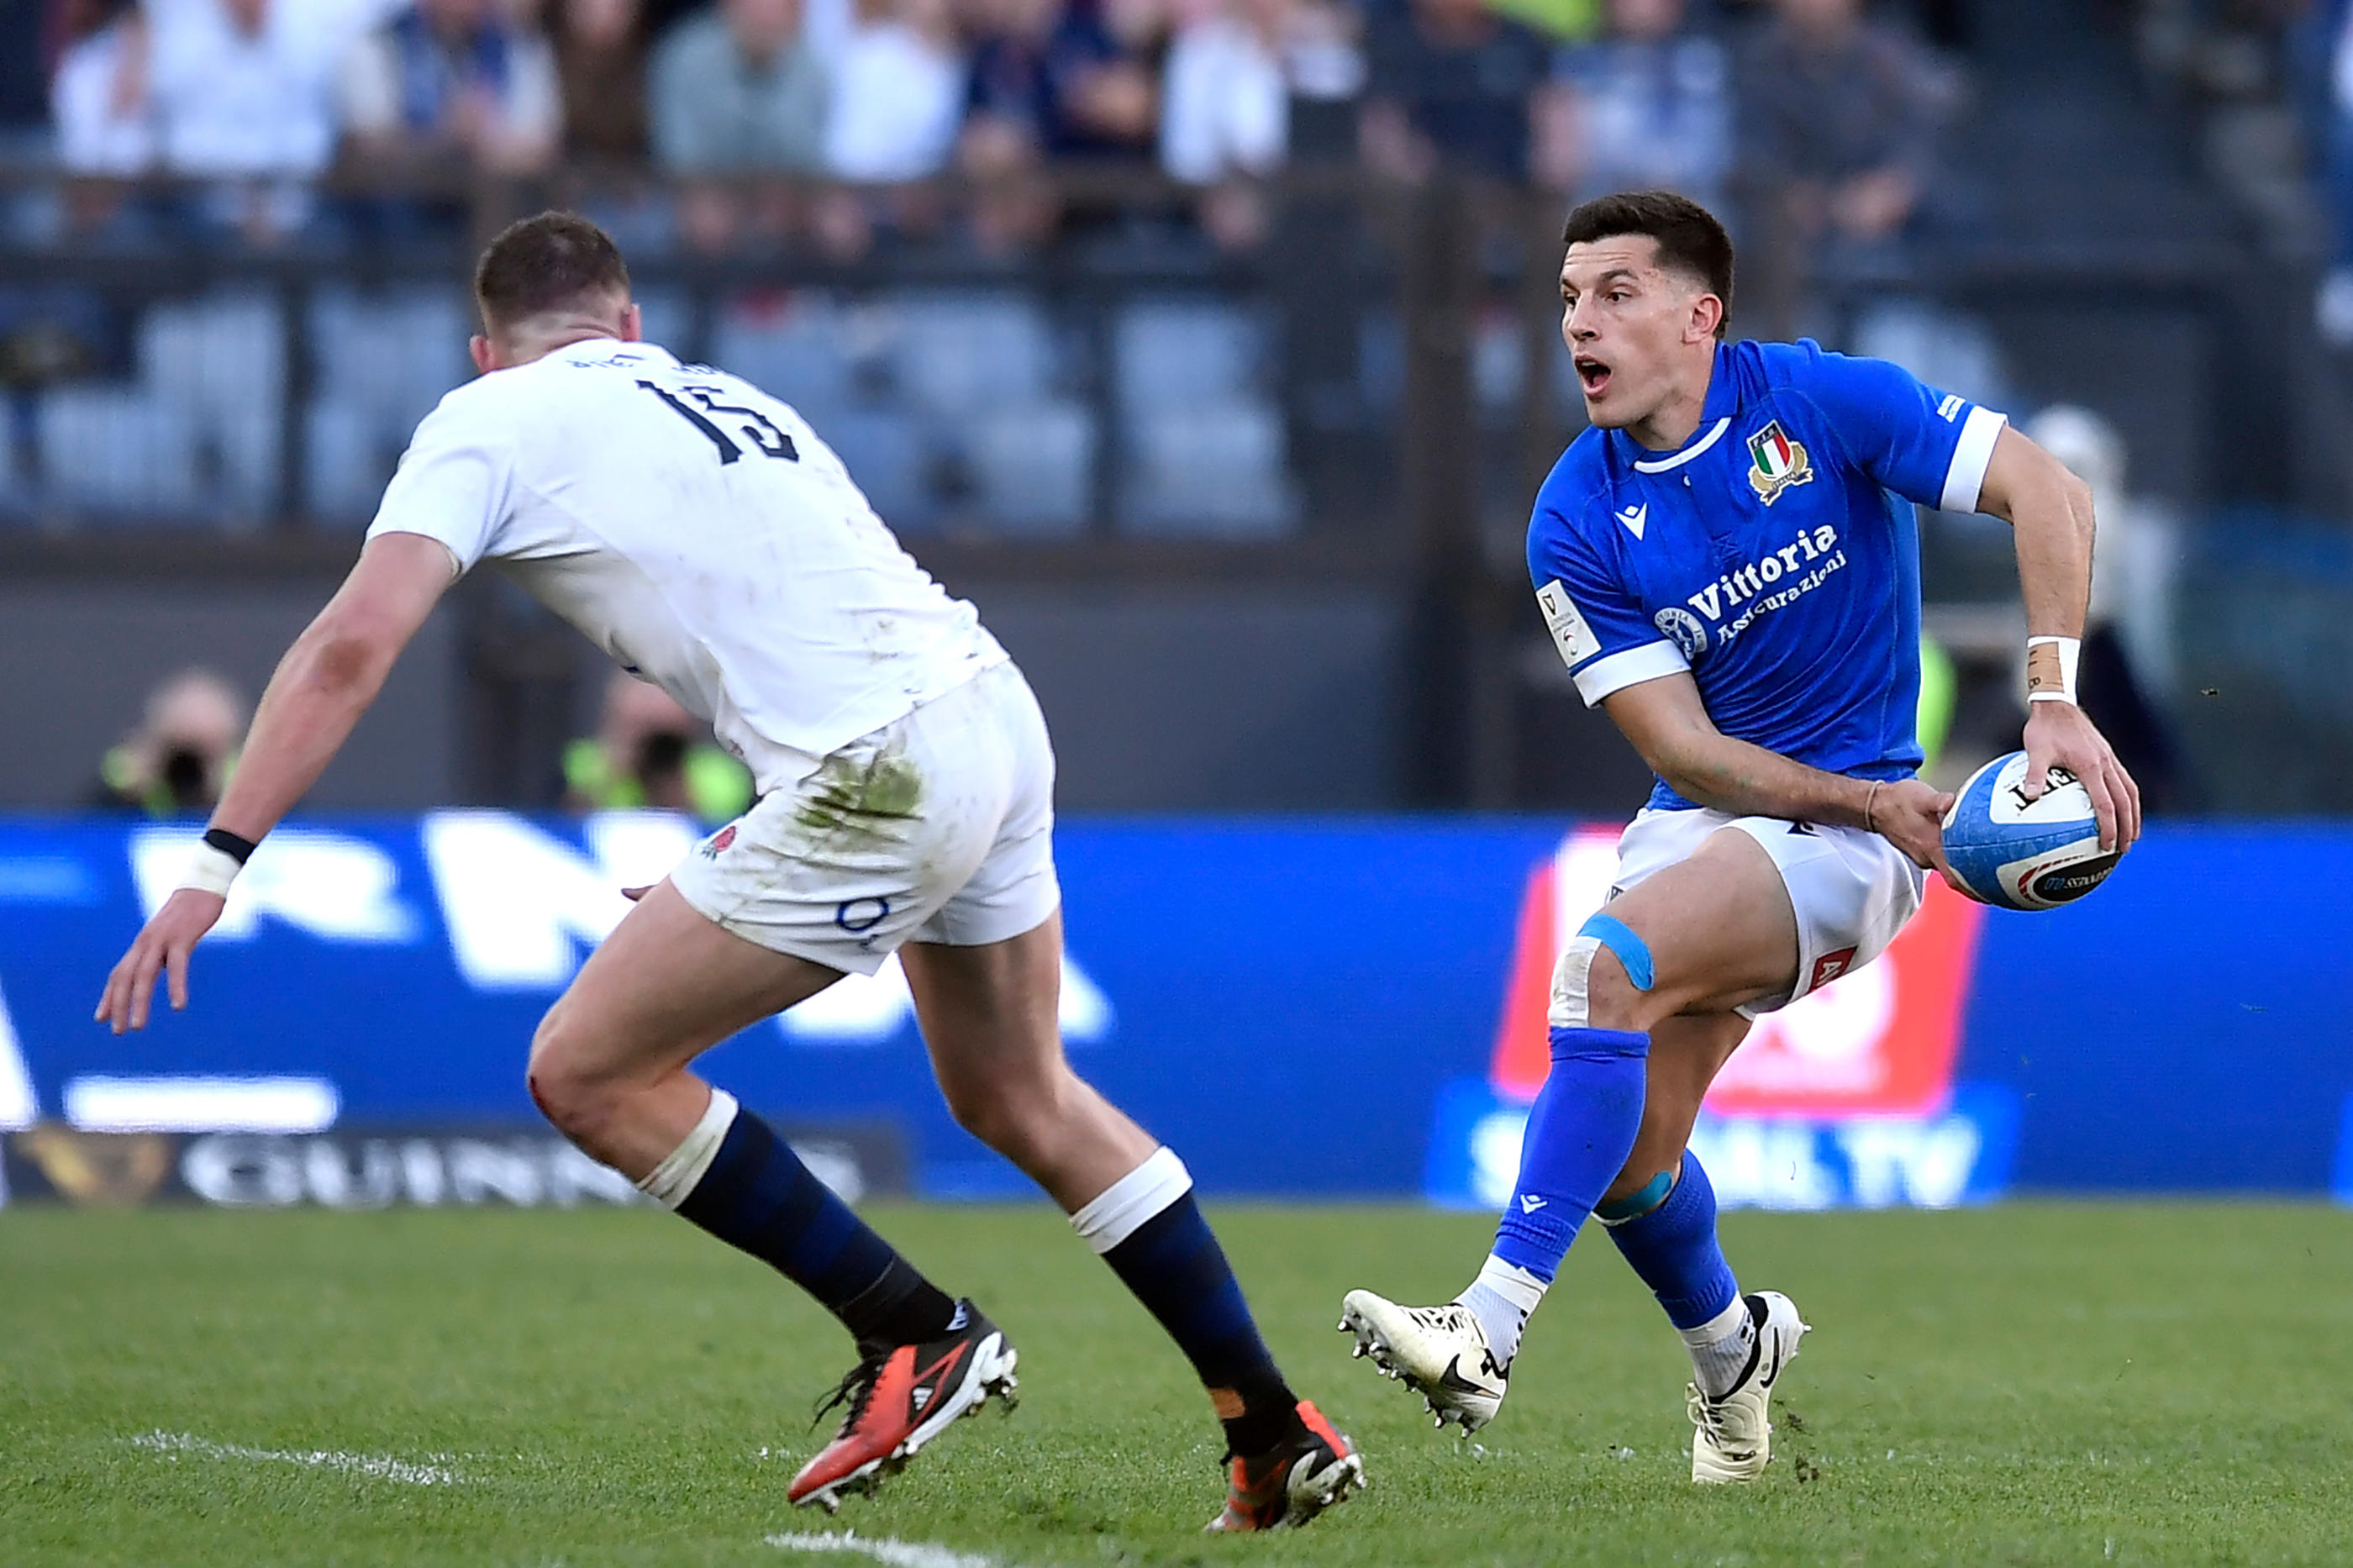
pixel 1715 418
pixel 603 351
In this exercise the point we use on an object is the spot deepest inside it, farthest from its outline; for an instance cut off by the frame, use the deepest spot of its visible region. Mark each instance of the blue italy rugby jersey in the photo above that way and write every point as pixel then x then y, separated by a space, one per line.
pixel 1771 557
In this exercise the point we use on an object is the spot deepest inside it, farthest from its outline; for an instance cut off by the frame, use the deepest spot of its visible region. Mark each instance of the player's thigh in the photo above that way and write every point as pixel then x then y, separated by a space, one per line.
pixel 1719 931
pixel 986 968
pixel 991 1013
pixel 667 984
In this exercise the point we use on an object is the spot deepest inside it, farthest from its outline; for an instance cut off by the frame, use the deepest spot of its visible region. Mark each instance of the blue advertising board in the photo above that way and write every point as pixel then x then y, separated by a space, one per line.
pixel 1301 1008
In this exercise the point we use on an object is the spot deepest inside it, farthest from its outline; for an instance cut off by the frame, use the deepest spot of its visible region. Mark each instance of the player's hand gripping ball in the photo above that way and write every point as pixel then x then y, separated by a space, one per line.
pixel 2024 854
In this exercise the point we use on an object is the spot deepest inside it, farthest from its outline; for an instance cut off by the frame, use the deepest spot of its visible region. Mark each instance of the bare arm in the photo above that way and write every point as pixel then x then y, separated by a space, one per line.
pixel 2049 512
pixel 1669 726
pixel 324 683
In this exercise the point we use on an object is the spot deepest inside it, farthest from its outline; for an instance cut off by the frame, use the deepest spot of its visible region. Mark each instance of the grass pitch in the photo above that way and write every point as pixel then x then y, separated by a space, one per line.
pixel 2025 1384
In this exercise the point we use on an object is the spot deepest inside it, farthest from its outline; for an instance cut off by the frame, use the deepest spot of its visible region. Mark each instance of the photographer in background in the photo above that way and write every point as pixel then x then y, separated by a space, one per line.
pixel 649 752
pixel 179 759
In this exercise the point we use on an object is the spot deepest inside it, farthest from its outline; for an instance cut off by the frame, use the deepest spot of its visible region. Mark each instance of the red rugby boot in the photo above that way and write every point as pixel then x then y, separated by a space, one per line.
pixel 1308 1472
pixel 902 1398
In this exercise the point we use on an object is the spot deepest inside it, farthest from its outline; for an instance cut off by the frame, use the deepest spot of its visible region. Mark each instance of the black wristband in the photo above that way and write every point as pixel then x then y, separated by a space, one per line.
pixel 238 849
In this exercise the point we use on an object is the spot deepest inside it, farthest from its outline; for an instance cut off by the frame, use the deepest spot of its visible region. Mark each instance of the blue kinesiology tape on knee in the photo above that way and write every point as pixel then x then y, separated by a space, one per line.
pixel 1674 1249
pixel 1622 940
pixel 1635 1204
pixel 1579 1132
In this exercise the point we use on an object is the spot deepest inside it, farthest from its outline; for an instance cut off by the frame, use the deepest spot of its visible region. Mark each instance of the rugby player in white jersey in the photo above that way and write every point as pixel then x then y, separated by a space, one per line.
pixel 700 533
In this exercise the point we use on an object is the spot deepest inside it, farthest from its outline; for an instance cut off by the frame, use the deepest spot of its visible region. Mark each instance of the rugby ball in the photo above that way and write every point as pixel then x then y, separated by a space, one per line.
pixel 2022 854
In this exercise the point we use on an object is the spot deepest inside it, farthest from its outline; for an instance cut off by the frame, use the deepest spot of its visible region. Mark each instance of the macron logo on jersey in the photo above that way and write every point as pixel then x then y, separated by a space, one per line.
pixel 1950 409
pixel 1634 517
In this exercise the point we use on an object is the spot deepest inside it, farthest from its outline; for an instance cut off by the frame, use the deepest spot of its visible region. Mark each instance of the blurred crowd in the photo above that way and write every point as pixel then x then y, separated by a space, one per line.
pixel 834 121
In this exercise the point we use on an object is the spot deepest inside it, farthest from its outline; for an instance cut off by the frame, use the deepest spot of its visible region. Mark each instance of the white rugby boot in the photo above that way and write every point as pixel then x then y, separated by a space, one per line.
pixel 1732 1436
pixel 1439 1353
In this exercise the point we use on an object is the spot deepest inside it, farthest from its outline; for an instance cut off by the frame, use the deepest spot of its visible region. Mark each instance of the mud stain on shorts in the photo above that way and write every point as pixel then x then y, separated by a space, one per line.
pixel 875 795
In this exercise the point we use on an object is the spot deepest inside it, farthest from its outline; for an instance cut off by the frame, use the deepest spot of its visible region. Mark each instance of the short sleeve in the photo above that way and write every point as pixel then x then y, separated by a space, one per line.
pixel 453 480
pixel 1596 622
pixel 1927 446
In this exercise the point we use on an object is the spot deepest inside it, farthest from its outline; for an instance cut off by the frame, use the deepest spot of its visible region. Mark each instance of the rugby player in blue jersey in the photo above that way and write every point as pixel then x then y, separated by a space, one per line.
pixel 1729 564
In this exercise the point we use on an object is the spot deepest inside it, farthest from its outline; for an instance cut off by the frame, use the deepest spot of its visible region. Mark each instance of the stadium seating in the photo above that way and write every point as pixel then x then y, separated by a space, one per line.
pixel 1204 445
pixel 116 452
pixel 1032 467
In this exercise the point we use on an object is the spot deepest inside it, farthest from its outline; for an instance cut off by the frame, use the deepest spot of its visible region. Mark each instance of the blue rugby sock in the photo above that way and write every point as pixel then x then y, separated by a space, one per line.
pixel 1674 1248
pixel 1149 1227
pixel 736 1179
pixel 1579 1132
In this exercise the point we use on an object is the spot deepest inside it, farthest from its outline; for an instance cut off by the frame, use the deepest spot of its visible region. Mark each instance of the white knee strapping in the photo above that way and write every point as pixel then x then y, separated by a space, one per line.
pixel 1120 1209
pixel 1571 1009
pixel 668 1182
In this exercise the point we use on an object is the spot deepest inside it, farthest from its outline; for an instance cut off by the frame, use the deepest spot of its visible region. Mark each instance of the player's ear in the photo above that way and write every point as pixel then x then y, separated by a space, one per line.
pixel 479 348
pixel 633 324
pixel 1707 315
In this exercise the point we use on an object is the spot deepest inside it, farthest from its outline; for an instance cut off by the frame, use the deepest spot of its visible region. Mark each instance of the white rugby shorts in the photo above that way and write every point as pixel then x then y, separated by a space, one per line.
pixel 938 827
pixel 1852 891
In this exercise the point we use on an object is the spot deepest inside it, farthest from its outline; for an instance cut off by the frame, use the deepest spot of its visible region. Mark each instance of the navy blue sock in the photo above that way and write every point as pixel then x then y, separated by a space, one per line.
pixel 1176 1268
pixel 1579 1132
pixel 1674 1249
pixel 759 1198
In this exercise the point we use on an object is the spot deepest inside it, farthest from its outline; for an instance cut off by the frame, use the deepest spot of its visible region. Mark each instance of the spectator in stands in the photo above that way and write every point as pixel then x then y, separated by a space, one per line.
pixel 899 88
pixel 177 761
pixel 1451 86
pixel 1839 117
pixel 2335 306
pixel 2127 627
pixel 736 94
pixel 103 113
pixel 1225 112
pixel 898 102
pixel 452 84
pixel 600 57
pixel 244 95
pixel 1047 81
pixel 649 752
pixel 1647 108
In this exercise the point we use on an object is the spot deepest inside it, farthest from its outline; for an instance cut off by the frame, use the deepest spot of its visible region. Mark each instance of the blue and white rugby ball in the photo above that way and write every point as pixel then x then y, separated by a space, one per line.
pixel 2022 854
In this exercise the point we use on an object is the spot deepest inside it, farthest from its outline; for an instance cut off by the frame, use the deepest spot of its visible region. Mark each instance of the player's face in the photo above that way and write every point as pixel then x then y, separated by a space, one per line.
pixel 1631 327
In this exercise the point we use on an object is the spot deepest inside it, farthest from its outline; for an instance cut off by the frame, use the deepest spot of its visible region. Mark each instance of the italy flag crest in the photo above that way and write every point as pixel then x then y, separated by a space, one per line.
pixel 1776 463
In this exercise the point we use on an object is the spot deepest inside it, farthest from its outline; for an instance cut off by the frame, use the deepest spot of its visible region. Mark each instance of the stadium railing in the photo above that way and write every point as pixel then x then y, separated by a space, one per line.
pixel 1362 400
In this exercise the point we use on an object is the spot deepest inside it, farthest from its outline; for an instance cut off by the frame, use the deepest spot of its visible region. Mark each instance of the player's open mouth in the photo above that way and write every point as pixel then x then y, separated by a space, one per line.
pixel 1593 376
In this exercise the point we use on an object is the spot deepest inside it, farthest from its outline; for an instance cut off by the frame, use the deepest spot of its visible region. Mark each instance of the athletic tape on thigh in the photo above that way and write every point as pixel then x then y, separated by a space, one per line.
pixel 1634 1205
pixel 1620 939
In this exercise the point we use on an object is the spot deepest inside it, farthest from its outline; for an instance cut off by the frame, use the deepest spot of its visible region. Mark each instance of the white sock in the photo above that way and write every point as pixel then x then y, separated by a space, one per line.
pixel 1501 1299
pixel 1120 1210
pixel 668 1182
pixel 1722 1347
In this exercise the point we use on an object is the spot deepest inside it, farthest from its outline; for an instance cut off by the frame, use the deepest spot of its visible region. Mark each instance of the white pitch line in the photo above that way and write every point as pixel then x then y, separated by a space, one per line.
pixel 368 1464
pixel 895 1554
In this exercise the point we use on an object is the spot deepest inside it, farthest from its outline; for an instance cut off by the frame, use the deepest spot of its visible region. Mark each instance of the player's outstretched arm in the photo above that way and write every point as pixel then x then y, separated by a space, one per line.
pixel 2049 511
pixel 1669 725
pixel 319 690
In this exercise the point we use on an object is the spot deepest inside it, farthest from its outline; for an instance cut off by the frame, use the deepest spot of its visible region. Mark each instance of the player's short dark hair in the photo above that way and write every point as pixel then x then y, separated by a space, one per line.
pixel 1691 240
pixel 551 262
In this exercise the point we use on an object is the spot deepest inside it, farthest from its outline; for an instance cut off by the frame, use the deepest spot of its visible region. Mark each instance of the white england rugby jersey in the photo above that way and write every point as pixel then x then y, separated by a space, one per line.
pixel 695 529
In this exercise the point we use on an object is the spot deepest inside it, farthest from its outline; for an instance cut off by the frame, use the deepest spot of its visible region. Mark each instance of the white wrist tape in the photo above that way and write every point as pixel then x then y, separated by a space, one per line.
pixel 2045 683
pixel 211 871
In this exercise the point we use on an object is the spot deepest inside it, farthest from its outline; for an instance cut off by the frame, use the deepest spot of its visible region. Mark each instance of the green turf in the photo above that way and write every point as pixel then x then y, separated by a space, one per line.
pixel 2025 1384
